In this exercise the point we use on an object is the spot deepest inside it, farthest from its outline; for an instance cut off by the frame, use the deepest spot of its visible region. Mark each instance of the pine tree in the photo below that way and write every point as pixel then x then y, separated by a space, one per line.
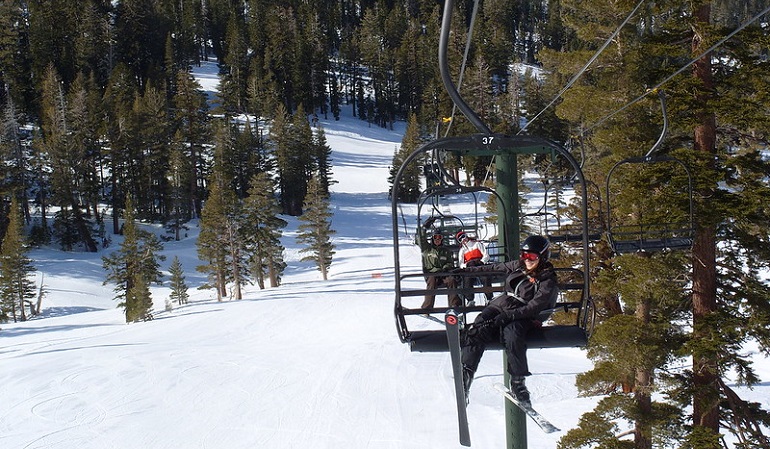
pixel 247 157
pixel 323 161
pixel 409 190
pixel 261 232
pixel 133 267
pixel 118 102
pixel 293 143
pixel 138 299
pixel 179 200
pixel 15 59
pixel 177 283
pixel 83 118
pixel 212 240
pixel 190 113
pixel 232 87
pixel 315 230
pixel 16 287
pixel 414 65
pixel 218 242
pixel 150 167
pixel 143 29
pixel 279 54
pixel 59 126
pixel 15 174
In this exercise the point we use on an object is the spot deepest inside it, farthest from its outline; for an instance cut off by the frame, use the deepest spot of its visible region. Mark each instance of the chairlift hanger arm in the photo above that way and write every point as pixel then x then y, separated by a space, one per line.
pixel 445 175
pixel 446 25
pixel 664 131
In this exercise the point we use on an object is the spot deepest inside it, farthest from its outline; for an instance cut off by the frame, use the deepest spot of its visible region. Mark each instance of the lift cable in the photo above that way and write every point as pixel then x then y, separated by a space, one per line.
pixel 693 61
pixel 573 80
pixel 585 67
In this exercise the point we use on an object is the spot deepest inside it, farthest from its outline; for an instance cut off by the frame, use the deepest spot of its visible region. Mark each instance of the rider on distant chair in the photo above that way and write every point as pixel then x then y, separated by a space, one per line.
pixel 437 258
pixel 472 253
pixel 530 288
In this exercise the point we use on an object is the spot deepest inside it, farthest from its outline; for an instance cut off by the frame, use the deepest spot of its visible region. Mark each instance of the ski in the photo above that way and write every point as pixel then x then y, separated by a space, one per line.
pixel 453 338
pixel 531 412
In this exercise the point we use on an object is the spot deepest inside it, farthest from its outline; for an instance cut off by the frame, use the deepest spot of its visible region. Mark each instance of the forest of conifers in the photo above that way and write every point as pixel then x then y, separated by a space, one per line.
pixel 98 107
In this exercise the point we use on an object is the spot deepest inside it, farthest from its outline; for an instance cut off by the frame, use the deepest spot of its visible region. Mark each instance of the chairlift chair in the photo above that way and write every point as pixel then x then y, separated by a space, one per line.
pixel 410 283
pixel 657 212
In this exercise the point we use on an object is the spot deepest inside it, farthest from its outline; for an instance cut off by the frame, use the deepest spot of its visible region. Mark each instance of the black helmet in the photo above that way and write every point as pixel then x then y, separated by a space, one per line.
pixel 537 244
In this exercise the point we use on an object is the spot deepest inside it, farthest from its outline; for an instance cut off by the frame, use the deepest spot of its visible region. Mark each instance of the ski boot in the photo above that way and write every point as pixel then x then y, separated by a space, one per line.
pixel 520 391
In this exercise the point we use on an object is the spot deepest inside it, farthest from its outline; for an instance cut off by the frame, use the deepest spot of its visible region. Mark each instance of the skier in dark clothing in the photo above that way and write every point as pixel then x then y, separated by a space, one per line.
pixel 435 259
pixel 530 288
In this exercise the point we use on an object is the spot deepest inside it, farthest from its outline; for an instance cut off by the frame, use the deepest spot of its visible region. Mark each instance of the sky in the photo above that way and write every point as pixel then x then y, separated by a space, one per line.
pixel 312 364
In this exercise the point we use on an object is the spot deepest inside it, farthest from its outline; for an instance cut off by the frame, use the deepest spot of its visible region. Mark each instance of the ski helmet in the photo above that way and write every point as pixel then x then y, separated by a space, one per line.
pixel 537 244
pixel 460 236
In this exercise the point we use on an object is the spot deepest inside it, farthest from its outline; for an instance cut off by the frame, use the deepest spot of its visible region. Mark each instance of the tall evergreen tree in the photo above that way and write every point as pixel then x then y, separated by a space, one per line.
pixel 16 287
pixel 232 87
pixel 16 176
pixel 177 283
pixel 212 240
pixel 218 242
pixel 143 28
pixel 414 65
pixel 118 102
pixel 261 231
pixel 59 126
pixel 280 58
pixel 84 116
pixel 409 189
pixel 315 229
pixel 150 174
pixel 16 83
pixel 179 200
pixel 248 156
pixel 133 267
pixel 293 143
pixel 323 161
pixel 138 299
pixel 190 114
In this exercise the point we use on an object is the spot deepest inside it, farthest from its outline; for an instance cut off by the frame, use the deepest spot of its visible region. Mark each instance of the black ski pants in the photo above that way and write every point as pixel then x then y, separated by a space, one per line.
pixel 513 336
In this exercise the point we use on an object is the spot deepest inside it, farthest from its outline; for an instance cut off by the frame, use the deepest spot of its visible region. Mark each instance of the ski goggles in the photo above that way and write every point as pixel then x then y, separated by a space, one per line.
pixel 529 256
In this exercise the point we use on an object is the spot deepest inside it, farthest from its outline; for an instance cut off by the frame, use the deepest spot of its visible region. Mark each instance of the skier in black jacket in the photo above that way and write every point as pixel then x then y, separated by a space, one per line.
pixel 530 288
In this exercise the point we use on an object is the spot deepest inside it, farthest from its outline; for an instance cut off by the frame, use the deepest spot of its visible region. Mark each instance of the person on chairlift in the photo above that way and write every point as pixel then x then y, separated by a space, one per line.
pixel 437 258
pixel 472 253
pixel 530 290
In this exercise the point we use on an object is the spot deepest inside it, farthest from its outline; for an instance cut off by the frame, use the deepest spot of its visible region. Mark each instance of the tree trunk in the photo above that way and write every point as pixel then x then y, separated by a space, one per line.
pixel 705 374
pixel 272 272
pixel 643 387
pixel 40 294
pixel 235 255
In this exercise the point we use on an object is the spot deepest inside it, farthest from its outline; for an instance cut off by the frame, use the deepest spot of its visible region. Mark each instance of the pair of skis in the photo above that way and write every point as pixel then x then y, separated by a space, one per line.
pixel 453 337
